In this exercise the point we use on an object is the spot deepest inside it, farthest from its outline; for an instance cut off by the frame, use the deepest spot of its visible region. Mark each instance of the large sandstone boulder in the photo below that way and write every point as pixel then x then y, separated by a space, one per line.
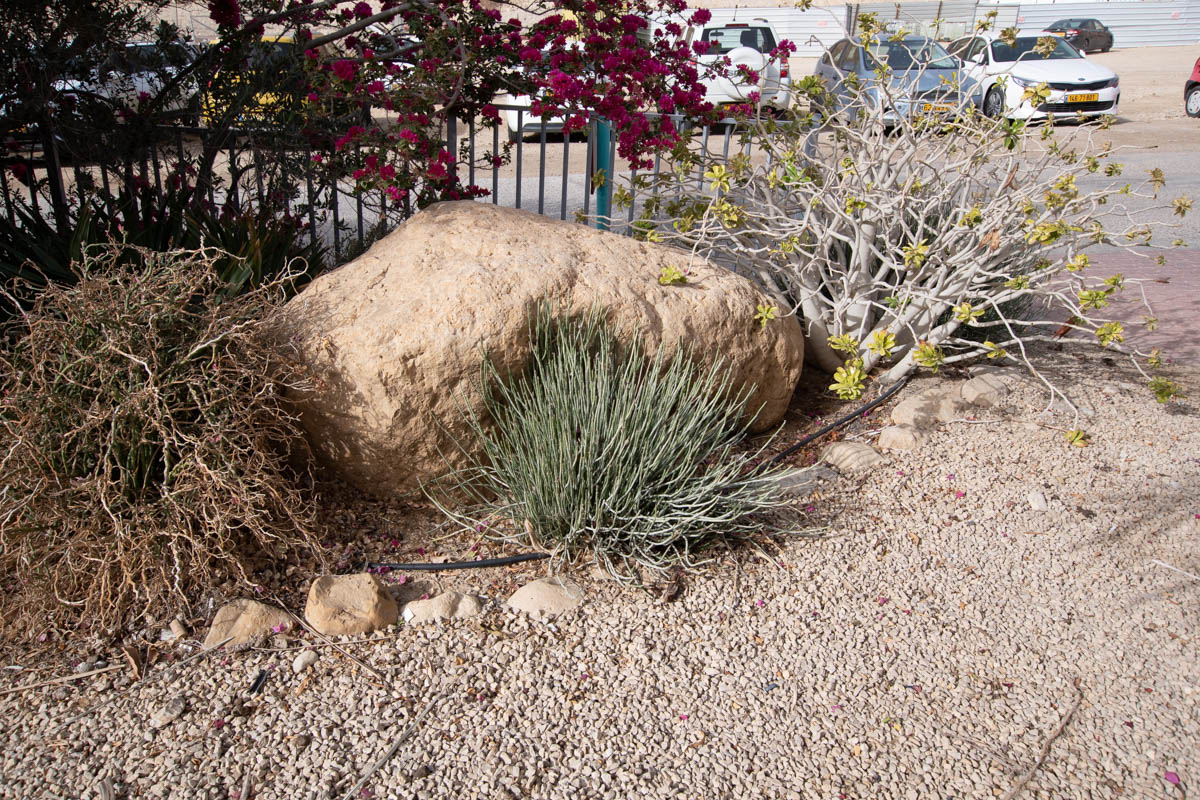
pixel 394 340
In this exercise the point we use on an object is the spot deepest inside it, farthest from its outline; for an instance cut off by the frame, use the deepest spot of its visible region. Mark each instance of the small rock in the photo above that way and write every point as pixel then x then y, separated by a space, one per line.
pixel 546 597
pixel 988 389
pixel 446 605
pixel 349 604
pixel 84 666
pixel 303 661
pixel 900 437
pixel 246 621
pixel 169 712
pixel 302 741
pixel 925 410
pixel 1037 501
pixel 919 411
pixel 420 772
pixel 803 482
pixel 851 457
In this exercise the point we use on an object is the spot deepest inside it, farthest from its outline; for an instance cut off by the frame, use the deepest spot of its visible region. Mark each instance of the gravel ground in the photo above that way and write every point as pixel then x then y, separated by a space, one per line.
pixel 927 646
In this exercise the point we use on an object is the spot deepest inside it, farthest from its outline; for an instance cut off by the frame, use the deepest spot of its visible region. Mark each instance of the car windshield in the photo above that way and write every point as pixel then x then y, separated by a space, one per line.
pixel 1066 23
pixel 906 54
pixel 150 57
pixel 272 55
pixel 730 37
pixel 1023 50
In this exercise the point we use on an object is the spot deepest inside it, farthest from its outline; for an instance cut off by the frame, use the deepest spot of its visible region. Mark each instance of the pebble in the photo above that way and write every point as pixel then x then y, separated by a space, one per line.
pixel 304 660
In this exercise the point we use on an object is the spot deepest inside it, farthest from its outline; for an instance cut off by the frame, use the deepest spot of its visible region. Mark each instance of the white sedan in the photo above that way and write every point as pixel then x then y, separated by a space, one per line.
pixel 1003 72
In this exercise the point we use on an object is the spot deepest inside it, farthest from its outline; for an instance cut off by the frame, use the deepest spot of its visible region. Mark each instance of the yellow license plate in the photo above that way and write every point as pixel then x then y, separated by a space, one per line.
pixel 1083 98
pixel 939 108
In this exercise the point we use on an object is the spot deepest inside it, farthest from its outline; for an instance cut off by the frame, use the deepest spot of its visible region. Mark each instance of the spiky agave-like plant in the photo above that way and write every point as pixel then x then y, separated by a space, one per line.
pixel 603 447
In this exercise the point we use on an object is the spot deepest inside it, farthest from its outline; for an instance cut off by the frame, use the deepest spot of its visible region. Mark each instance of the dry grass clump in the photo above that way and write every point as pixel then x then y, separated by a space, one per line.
pixel 144 444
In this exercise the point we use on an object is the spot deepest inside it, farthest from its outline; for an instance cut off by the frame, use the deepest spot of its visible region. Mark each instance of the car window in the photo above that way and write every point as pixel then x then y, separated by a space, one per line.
pixel 729 37
pixel 912 53
pixel 831 55
pixel 1023 50
pixel 848 61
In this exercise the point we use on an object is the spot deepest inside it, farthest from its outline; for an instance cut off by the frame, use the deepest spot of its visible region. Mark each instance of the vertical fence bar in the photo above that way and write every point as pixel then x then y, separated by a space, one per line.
pixel 589 157
pixel 562 211
pixel 471 145
pixel 337 222
pixel 495 169
pixel 232 195
pixel 78 182
pixel 8 206
pixel 312 199
pixel 358 207
pixel 632 198
pixel 520 153
pixel 542 169
pixel 258 173
pixel 155 161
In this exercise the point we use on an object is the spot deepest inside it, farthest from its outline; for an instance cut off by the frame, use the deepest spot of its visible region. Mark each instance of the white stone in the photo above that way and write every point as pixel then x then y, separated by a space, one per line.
pixel 795 483
pixel 900 437
pixel 851 457
pixel 446 605
pixel 303 661
pixel 1037 501
pixel 168 713
pixel 988 389
pixel 547 597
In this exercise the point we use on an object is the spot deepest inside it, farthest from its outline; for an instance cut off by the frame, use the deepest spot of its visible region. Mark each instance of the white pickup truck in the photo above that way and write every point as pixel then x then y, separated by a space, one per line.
pixel 746 44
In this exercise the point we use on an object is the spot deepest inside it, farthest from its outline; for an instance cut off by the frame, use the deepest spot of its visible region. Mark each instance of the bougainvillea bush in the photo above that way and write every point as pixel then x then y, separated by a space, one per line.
pixel 630 63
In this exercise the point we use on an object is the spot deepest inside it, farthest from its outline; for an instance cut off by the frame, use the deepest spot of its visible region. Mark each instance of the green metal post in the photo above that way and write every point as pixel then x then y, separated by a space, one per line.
pixel 604 165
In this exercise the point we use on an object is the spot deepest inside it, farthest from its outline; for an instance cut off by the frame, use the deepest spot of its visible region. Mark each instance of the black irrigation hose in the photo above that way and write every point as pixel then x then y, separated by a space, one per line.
pixel 486 562
pixel 837 423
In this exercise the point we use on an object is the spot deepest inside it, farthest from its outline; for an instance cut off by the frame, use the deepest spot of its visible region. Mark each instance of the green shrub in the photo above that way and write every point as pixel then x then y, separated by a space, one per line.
pixel 604 448
pixel 144 445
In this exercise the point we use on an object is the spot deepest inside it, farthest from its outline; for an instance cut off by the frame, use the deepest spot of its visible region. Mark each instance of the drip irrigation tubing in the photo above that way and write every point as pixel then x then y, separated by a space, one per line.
pixel 836 423
pixel 449 565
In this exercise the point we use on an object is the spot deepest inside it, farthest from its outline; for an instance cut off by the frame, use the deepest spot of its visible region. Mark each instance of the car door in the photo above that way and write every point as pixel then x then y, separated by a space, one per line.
pixel 1088 40
pixel 849 64
pixel 827 69
pixel 973 56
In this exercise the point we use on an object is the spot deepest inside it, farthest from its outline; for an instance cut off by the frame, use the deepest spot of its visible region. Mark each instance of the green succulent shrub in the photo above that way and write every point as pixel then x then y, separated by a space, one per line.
pixel 602 448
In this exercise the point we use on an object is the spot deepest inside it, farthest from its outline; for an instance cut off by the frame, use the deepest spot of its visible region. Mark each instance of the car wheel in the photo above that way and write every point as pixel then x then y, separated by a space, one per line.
pixel 993 103
pixel 1192 103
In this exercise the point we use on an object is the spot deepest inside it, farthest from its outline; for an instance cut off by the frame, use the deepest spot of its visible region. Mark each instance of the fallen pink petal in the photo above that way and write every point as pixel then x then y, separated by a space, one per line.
pixel 1171 778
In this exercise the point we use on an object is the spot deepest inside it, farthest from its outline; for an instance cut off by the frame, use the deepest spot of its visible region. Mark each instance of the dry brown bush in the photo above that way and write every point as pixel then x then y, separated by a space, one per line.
pixel 145 448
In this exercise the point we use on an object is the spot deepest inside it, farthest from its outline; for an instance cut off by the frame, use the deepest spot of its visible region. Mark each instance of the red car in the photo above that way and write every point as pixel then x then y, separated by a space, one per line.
pixel 1191 92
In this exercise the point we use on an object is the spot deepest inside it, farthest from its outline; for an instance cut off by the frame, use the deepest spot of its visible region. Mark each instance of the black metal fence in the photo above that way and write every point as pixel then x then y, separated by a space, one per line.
pixel 545 171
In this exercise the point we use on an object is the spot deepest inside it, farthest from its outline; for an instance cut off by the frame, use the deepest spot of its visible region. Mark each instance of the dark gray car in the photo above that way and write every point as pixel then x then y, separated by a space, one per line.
pixel 921 78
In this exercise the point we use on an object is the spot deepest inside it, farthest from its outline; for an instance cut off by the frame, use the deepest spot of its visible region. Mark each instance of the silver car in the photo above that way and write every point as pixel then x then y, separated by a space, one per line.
pixel 921 77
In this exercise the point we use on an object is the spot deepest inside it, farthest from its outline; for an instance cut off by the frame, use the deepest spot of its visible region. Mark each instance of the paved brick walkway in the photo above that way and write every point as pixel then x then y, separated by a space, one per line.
pixel 1174 293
